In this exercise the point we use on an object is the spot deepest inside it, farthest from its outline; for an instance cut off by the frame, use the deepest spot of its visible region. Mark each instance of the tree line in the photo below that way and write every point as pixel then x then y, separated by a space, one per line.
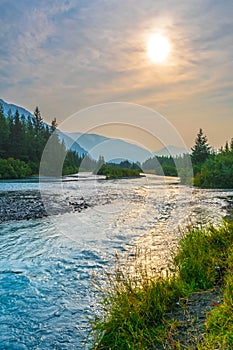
pixel 212 168
pixel 22 141
pixel 118 170
pixel 170 166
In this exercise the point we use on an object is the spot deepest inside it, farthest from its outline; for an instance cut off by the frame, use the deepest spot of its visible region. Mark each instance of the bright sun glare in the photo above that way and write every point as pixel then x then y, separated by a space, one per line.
pixel 158 48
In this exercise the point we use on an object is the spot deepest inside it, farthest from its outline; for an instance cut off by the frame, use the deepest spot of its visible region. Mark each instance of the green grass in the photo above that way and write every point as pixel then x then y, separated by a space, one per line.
pixel 219 325
pixel 135 307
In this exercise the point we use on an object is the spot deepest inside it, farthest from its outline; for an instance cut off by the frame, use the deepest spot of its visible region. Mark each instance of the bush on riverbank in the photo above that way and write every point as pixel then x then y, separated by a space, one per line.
pixel 14 169
pixel 216 172
pixel 136 307
pixel 212 169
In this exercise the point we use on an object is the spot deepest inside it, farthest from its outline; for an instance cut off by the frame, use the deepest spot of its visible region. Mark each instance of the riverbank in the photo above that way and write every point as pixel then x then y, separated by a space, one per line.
pixel 26 205
pixel 189 308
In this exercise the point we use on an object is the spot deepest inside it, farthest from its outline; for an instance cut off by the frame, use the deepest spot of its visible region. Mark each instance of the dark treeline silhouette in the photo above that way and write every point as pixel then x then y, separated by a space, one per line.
pixel 22 141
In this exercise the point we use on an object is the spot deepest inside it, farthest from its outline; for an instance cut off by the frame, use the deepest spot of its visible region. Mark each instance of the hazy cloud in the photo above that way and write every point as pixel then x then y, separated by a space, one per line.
pixel 65 55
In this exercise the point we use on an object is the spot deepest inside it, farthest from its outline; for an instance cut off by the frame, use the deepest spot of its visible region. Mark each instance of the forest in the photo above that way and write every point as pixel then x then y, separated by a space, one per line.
pixel 22 141
pixel 211 168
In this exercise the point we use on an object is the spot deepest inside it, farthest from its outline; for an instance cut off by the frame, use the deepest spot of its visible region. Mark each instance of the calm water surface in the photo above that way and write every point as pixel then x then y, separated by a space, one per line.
pixel 47 265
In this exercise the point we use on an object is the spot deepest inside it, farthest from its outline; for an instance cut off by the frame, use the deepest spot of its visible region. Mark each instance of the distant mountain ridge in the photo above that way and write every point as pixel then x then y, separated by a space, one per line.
pixel 70 144
pixel 112 149
pixel 10 106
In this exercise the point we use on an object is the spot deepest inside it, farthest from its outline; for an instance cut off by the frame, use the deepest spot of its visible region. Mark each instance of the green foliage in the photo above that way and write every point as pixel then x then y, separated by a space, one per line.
pixel 136 306
pixel 219 325
pixel 169 170
pixel 114 172
pixel 201 255
pixel 38 121
pixel 161 165
pixel 220 322
pixel 170 166
pixel 216 172
pixel 14 169
pixel 200 151
pixel 137 309
pixel 71 164
pixel 212 170
pixel 4 132
pixel 22 142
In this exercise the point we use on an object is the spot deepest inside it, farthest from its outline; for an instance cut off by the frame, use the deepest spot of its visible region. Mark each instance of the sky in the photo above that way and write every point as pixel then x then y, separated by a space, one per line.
pixel 66 56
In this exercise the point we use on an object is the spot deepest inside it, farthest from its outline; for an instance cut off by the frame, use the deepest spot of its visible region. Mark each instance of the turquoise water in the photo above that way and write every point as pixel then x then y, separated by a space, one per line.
pixel 47 265
pixel 17 185
pixel 44 288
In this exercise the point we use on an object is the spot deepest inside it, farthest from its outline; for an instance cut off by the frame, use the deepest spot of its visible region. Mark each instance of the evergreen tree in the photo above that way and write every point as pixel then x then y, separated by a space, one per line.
pixel 9 114
pixel 38 121
pixel 47 132
pixel 54 125
pixel 231 145
pixel 4 133
pixel 17 137
pixel 22 143
pixel 100 162
pixel 30 140
pixel 227 149
pixel 201 149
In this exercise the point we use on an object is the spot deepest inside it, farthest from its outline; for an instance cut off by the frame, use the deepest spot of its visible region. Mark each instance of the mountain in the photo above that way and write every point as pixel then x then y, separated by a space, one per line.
pixel 70 143
pixel 170 150
pixel 87 141
pixel 111 149
pixel 10 106
pixel 96 145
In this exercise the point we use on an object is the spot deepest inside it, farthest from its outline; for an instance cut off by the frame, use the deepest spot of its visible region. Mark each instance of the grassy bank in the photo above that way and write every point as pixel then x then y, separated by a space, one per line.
pixel 137 309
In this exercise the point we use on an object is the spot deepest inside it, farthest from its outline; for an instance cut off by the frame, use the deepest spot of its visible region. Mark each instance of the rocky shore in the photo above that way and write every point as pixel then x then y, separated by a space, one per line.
pixel 29 205
pixel 26 205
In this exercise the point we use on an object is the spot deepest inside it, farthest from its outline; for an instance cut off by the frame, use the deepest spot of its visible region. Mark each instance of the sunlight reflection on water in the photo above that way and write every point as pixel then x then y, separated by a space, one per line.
pixel 46 265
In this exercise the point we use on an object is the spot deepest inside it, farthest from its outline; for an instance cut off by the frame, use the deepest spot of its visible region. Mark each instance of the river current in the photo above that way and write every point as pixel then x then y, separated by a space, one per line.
pixel 47 265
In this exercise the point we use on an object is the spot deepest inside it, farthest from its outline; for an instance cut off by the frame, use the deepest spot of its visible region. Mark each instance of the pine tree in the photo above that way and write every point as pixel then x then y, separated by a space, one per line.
pixel 100 162
pixel 54 125
pixel 17 137
pixel 231 145
pixel 4 132
pixel 38 121
pixel 201 149
pixel 227 147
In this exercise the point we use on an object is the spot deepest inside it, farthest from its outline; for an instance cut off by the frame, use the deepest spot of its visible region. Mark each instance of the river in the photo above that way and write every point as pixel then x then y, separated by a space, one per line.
pixel 47 264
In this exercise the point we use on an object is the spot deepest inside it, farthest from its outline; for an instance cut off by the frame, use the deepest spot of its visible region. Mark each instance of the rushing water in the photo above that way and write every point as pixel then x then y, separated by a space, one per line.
pixel 47 265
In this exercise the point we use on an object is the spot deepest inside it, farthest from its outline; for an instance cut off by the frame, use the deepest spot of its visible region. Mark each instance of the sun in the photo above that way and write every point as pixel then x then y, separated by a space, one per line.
pixel 158 48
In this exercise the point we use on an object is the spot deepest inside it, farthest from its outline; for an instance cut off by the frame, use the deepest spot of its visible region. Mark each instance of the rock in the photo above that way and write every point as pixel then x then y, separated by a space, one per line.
pixel 29 205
